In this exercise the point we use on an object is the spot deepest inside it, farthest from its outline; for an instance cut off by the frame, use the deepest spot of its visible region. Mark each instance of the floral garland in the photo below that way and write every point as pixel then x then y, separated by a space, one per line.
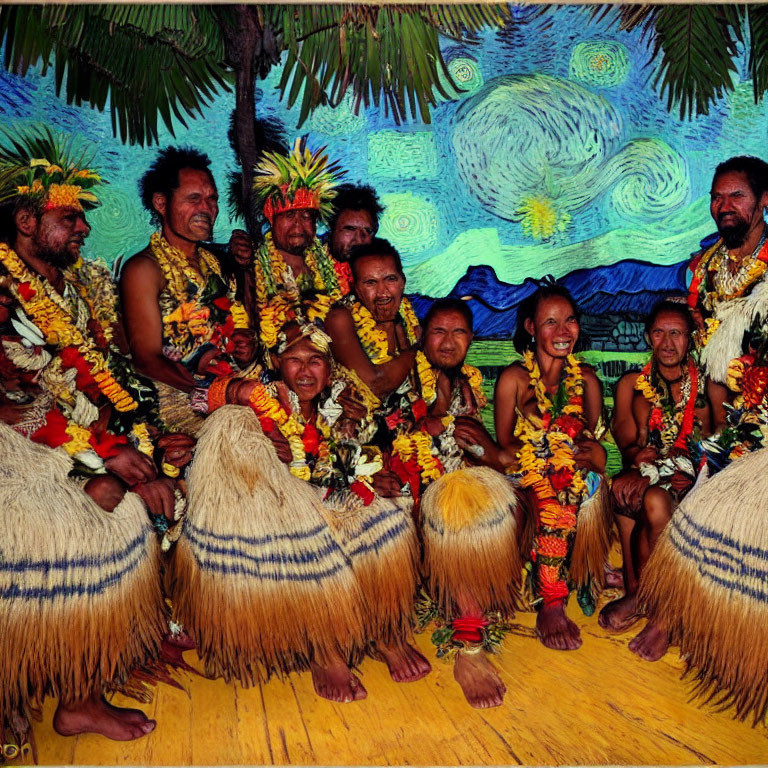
pixel 711 267
pixel 374 340
pixel 549 470
pixel 428 376
pixel 51 315
pixel 305 439
pixel 671 424
pixel 419 447
pixel 464 634
pixel 189 323
pixel 278 294
pixel 749 380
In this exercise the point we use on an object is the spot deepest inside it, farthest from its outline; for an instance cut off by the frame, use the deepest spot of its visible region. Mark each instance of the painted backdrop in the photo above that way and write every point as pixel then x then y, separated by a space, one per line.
pixel 557 157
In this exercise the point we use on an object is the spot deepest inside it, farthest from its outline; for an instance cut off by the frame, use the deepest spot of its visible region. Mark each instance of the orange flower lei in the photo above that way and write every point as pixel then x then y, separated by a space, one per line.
pixel 51 315
pixel 667 420
pixel 418 446
pixel 548 469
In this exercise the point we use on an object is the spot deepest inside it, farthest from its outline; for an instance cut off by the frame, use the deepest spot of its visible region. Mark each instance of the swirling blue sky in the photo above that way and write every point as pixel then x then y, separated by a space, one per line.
pixel 581 136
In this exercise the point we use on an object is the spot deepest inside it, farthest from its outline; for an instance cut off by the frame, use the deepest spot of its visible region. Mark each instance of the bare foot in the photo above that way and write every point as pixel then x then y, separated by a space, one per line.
pixel 404 662
pixel 94 715
pixel 337 683
pixel 180 638
pixel 619 615
pixel 556 630
pixel 651 644
pixel 614 577
pixel 479 681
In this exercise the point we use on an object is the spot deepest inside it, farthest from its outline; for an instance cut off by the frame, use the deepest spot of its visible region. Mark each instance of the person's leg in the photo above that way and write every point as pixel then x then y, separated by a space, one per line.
pixel 652 643
pixel 478 678
pixel 333 680
pixel 619 615
pixel 94 715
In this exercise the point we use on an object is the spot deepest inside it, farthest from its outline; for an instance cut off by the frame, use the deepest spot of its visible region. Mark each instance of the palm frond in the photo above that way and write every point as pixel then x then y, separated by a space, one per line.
pixel 697 46
pixel 147 61
pixel 388 54
pixel 757 16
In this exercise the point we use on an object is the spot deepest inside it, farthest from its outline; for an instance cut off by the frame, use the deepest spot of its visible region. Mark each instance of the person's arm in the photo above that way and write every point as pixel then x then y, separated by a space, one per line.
pixel 140 284
pixel 507 394
pixel 629 423
pixel 382 379
pixel 717 395
pixel 588 453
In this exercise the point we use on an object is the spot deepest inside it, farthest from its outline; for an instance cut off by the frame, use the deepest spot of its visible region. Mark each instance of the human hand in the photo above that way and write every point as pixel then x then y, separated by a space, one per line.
pixel 282 448
pixel 244 347
pixel 387 484
pixel 589 454
pixel 158 496
pixel 176 448
pixel 351 407
pixel 241 248
pixel 131 466
pixel 646 455
pixel 473 438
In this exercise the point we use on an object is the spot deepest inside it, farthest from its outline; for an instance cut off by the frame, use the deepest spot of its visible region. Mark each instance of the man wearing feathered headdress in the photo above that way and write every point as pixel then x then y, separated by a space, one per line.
pixel 79 438
pixel 295 277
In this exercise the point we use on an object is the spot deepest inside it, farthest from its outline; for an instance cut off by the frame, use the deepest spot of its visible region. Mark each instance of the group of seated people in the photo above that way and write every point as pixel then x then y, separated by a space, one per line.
pixel 311 455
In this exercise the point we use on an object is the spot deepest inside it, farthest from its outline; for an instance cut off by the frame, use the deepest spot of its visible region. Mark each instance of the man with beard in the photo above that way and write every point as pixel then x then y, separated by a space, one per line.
pixel 295 277
pixel 80 599
pixel 185 327
pixel 727 283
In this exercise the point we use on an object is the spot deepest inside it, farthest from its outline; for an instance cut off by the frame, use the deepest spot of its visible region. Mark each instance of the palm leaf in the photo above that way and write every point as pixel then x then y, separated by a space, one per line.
pixel 757 16
pixel 146 61
pixel 389 51
pixel 696 45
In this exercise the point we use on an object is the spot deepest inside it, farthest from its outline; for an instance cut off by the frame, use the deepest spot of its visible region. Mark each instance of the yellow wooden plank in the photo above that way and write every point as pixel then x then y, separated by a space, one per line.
pixel 598 705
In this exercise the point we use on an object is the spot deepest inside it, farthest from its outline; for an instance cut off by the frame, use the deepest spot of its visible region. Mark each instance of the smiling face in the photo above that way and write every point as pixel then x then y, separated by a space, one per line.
pixel 305 370
pixel 60 235
pixel 554 326
pixel 669 337
pixel 446 339
pixel 191 211
pixel 379 286
pixel 350 229
pixel 294 230
pixel 735 209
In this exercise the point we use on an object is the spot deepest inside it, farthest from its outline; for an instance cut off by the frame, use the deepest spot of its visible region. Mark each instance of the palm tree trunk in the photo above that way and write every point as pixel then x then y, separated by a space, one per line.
pixel 242 42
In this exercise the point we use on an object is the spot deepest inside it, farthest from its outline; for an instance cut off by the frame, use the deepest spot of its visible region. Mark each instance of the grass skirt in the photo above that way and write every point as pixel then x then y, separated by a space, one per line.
pixel 706 583
pixel 80 599
pixel 259 578
pixel 380 542
pixel 470 540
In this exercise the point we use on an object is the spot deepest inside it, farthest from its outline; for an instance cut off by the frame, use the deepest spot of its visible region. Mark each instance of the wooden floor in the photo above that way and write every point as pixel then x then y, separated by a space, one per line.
pixel 598 705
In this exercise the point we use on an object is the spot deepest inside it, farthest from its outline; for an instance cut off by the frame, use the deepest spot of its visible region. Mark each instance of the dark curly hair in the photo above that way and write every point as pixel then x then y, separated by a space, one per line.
pixel 163 175
pixel 353 197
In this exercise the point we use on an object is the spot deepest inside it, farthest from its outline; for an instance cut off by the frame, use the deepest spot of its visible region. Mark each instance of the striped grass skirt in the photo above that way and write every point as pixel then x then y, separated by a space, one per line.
pixel 706 583
pixel 266 577
pixel 80 598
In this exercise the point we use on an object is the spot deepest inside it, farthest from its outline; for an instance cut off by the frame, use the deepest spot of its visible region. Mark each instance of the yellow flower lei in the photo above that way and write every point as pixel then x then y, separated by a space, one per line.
pixel 275 306
pixel 179 275
pixel 373 339
pixel 292 428
pixel 560 444
pixel 52 317
pixel 428 379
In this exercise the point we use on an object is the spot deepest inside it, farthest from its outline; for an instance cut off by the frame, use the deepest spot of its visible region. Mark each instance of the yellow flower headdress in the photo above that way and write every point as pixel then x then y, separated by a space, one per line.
pixel 47 169
pixel 293 333
pixel 301 179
